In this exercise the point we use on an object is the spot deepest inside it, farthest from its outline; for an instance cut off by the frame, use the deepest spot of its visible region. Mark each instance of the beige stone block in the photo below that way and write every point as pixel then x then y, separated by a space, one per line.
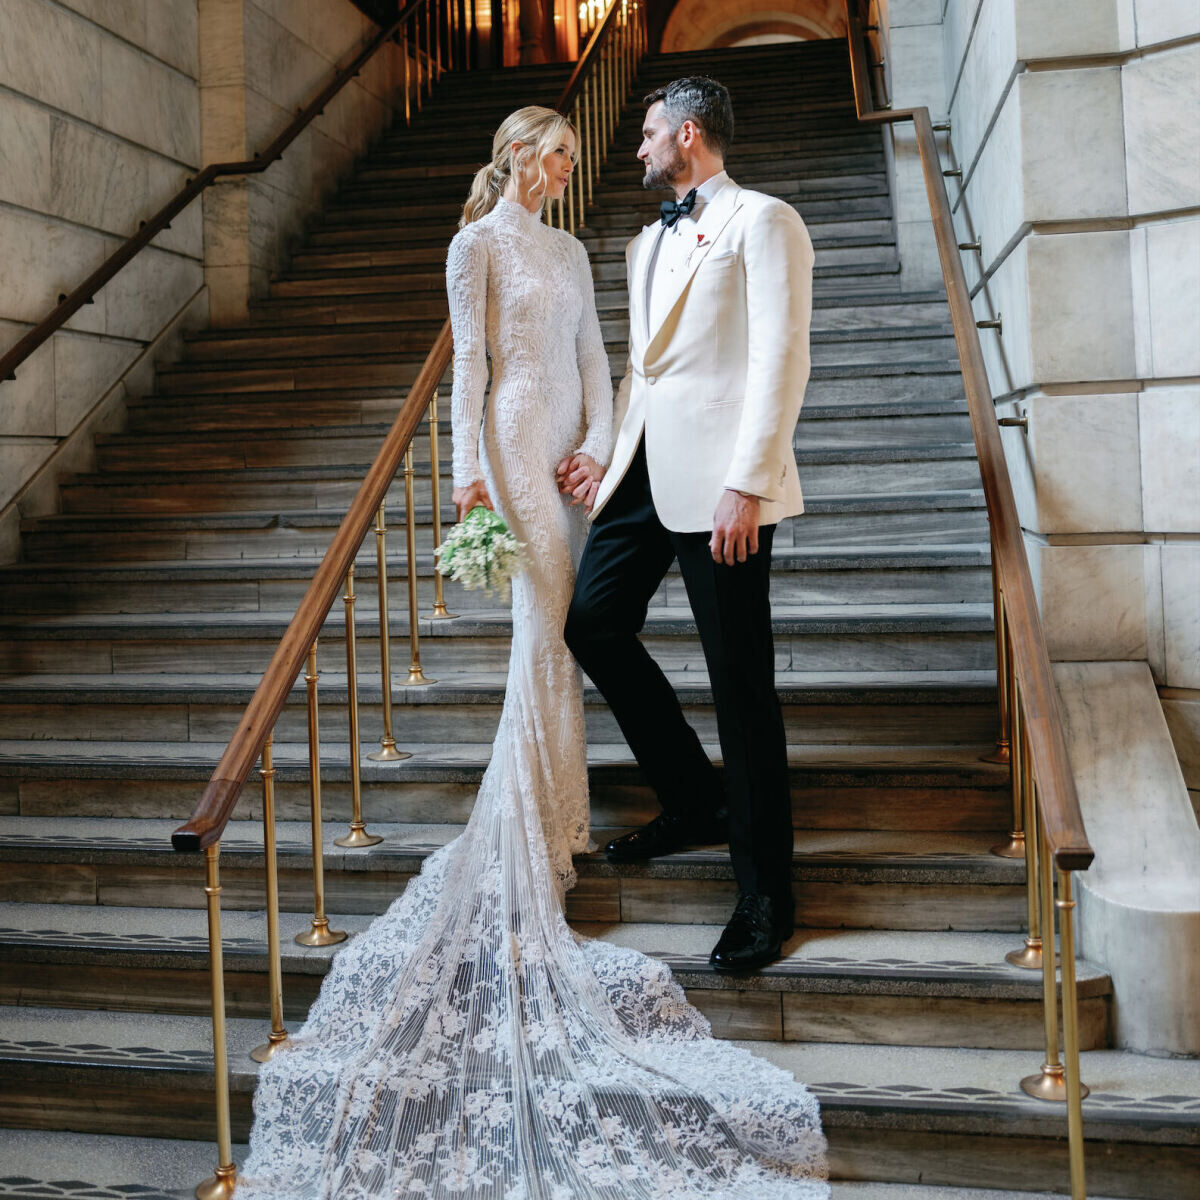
pixel 1165 20
pixel 1067 28
pixel 228 293
pixel 84 369
pixel 149 103
pixel 1139 288
pixel 149 291
pixel 226 223
pixel 958 24
pixel 1162 114
pixel 1181 613
pixel 20 457
pixel 223 121
pixel 172 33
pixel 917 75
pixel 43 258
pixel 1093 601
pixel 27 402
pixel 24 153
pixel 1170 454
pixel 221 43
pixel 96 180
pixel 1173 282
pixel 1183 720
pixel 1087 474
pixel 1080 306
pixel 1156 643
pixel 1076 168
pixel 51 55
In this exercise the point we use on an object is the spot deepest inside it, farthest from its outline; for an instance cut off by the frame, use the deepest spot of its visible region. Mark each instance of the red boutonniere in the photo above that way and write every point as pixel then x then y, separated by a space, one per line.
pixel 699 239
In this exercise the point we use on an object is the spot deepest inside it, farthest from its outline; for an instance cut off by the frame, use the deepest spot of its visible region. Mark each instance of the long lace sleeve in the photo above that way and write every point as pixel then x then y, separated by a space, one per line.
pixel 593 370
pixel 466 288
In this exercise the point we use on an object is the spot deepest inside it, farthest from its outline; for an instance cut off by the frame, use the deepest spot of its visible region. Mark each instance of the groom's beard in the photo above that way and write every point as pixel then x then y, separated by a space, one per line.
pixel 664 174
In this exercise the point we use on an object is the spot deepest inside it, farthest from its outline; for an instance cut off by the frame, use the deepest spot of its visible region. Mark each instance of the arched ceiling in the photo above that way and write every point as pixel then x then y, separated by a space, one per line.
pixel 705 24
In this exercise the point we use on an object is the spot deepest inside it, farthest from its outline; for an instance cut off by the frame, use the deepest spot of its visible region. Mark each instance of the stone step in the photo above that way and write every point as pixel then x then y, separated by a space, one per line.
pixel 838 637
pixel 843 879
pixel 906 575
pixel 857 783
pixel 828 470
pixel 931 518
pixel 849 707
pixel 50 1164
pixel 935 1115
pixel 832 985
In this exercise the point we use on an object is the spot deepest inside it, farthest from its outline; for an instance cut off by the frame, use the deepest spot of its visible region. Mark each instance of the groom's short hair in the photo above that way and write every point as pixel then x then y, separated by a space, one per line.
pixel 704 102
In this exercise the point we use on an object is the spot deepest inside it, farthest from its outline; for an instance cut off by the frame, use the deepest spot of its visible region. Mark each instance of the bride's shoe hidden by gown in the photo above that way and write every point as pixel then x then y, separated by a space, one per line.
pixel 469 1044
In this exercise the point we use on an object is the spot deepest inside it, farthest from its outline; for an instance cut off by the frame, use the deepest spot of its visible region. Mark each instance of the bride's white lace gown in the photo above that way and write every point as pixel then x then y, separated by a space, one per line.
pixel 469 1044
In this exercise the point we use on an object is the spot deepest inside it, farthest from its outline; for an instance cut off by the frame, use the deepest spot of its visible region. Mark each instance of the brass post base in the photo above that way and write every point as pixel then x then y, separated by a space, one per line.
pixel 1029 956
pixel 219 1185
pixel 387 752
pixel 1013 848
pixel 1050 1083
pixel 416 678
pixel 266 1051
pixel 1001 754
pixel 357 838
pixel 440 614
pixel 320 934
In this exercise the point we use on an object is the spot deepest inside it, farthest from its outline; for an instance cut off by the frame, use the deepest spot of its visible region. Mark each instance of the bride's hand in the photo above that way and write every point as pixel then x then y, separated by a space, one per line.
pixel 579 477
pixel 471 496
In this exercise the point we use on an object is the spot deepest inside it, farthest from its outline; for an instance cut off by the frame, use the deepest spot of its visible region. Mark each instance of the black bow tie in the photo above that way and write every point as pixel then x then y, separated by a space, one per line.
pixel 670 211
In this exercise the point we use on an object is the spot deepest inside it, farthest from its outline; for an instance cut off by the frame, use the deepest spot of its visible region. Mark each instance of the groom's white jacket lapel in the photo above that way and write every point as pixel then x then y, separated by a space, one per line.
pixel 716 388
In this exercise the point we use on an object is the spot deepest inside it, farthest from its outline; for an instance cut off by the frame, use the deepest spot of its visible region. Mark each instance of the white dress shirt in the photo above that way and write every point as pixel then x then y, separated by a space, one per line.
pixel 672 250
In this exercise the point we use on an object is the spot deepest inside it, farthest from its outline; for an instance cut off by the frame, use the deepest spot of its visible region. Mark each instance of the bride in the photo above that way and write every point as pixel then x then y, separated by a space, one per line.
pixel 469 1044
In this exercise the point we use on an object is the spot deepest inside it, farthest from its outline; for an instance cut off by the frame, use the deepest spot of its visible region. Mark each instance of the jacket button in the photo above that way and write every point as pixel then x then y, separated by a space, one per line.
pixel 651 379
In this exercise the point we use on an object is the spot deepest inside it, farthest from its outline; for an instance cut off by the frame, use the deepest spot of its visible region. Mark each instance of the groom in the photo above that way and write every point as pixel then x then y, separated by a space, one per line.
pixel 720 297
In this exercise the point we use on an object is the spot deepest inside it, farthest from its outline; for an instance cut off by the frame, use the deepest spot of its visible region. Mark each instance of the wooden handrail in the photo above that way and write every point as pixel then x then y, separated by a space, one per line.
pixel 1059 802
pixel 575 83
pixel 207 823
pixel 162 219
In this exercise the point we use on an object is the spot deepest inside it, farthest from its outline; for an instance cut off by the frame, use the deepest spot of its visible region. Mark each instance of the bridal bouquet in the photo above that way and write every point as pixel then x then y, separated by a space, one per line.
pixel 481 552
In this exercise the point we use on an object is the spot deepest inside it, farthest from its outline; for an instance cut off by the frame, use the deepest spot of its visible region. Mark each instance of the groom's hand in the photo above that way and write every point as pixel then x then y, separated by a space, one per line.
pixel 579 477
pixel 735 528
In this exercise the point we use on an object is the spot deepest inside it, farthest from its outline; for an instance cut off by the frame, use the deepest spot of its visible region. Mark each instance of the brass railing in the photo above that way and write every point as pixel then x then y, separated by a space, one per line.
pixel 1047 824
pixel 433 35
pixel 594 96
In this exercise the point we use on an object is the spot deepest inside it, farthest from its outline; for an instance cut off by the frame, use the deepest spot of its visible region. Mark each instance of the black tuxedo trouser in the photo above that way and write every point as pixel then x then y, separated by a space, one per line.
pixel 627 555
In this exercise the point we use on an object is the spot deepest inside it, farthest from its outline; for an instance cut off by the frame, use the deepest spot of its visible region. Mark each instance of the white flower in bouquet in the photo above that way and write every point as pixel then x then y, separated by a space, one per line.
pixel 481 552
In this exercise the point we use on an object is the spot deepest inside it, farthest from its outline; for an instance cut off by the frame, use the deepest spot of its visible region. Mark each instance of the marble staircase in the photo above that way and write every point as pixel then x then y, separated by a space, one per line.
pixel 135 629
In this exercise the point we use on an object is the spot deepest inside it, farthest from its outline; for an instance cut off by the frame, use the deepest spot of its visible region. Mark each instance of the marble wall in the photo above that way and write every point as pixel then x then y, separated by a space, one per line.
pixel 106 108
pixel 260 60
pixel 99 126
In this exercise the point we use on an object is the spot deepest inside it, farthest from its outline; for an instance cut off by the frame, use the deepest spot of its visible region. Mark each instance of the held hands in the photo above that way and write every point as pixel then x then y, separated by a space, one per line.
pixel 579 476
pixel 735 528
pixel 471 496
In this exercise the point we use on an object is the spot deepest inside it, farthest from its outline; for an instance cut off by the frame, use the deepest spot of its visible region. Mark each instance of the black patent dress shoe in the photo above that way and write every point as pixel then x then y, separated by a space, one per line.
pixel 754 936
pixel 666 835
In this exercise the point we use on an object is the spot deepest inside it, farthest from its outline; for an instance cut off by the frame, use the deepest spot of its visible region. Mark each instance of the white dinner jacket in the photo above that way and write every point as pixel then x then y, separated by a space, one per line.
pixel 716 389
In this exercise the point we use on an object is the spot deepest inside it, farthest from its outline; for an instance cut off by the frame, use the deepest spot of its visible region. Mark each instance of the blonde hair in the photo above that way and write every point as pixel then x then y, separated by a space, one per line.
pixel 539 130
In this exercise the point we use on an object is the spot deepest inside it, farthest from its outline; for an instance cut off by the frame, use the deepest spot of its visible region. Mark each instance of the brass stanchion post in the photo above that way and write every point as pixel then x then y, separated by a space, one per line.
pixel 358 835
pixel 1008 748
pixel 279 1033
pixel 589 136
pixel 439 612
pixel 577 174
pixel 1030 955
pixel 407 86
pixel 416 677
pixel 387 751
pixel 1076 1089
pixel 1002 751
pixel 318 933
pixel 220 1184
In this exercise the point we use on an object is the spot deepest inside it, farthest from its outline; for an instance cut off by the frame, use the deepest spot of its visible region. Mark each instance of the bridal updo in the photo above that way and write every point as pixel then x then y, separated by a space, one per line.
pixel 539 130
